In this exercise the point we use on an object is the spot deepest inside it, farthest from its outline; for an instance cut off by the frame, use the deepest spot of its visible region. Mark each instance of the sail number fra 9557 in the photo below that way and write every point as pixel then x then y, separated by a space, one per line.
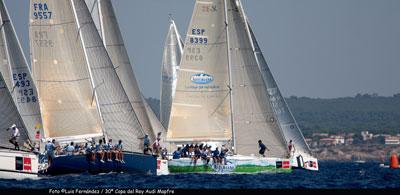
pixel 41 11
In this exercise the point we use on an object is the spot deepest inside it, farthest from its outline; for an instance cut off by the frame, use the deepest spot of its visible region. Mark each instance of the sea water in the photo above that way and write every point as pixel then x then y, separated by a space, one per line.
pixel 332 175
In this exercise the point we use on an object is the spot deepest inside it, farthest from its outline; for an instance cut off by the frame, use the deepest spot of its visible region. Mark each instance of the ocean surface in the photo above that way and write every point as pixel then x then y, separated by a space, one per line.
pixel 332 175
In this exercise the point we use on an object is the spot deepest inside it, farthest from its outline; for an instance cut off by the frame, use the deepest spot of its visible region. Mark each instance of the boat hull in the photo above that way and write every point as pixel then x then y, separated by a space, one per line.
pixel 18 164
pixel 134 163
pixel 235 164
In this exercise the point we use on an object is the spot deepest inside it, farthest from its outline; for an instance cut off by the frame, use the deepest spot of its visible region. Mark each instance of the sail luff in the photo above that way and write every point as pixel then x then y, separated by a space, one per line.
pixel 120 120
pixel 20 77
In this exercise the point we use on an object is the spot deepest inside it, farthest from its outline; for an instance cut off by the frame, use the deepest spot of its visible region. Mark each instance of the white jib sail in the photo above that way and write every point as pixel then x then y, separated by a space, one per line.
pixel 288 124
pixel 106 23
pixel 119 118
pixel 253 115
pixel 173 49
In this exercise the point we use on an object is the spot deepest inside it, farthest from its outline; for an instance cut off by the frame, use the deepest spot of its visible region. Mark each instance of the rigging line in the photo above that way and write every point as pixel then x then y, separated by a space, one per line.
pixel 223 100
pixel 94 5
pixel 94 91
pixel 79 30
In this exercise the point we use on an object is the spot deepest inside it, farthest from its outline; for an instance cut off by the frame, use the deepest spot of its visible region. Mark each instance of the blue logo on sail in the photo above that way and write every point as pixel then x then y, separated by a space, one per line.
pixel 201 78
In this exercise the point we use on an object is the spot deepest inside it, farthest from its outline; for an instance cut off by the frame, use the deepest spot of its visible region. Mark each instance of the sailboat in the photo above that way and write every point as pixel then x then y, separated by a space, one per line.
pixel 107 25
pixel 18 103
pixel 17 76
pixel 173 49
pixel 15 164
pixel 81 96
pixel 224 98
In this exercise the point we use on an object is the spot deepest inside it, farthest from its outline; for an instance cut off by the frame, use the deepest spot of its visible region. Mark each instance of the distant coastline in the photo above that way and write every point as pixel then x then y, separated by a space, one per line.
pixel 346 115
pixel 363 112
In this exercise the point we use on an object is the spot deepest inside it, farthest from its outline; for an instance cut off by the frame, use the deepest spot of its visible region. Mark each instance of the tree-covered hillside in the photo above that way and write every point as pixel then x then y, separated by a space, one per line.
pixel 349 114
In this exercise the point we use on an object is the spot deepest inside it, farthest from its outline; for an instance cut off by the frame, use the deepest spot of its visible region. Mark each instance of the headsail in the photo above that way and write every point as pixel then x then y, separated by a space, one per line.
pixel 17 75
pixel 201 107
pixel 288 124
pixel 8 116
pixel 119 118
pixel 254 118
pixel 66 95
pixel 173 49
pixel 106 23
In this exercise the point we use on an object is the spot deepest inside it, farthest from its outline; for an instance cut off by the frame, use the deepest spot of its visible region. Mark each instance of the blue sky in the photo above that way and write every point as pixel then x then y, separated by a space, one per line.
pixel 314 48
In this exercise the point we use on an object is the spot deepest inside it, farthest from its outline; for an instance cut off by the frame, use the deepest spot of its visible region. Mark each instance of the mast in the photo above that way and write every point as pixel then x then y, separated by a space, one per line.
pixel 230 77
pixel 89 70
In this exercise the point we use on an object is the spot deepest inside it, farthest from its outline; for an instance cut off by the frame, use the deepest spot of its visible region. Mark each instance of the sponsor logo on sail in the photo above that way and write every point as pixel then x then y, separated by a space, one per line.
pixel 201 78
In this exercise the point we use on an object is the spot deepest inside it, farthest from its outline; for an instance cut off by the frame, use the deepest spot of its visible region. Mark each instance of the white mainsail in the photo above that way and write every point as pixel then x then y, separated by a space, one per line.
pixel 17 75
pixel 173 49
pixel 59 68
pixel 106 23
pixel 201 107
pixel 8 116
pixel 83 72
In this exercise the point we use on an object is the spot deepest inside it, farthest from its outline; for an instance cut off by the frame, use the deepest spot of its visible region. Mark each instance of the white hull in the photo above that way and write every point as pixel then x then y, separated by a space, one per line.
pixel 18 164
